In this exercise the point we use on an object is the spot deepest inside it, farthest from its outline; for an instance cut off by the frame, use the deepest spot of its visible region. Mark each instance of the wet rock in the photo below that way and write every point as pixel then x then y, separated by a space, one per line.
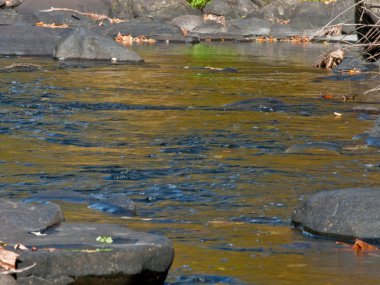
pixel 87 45
pixel 315 146
pixel 132 257
pixel 29 40
pixel 88 6
pixel 114 203
pixel 20 67
pixel 143 27
pixel 258 104
pixel 187 22
pixel 28 217
pixel 11 3
pixel 70 19
pixel 343 214
pixel 71 253
pixel 164 10
pixel 234 9
pixel 249 26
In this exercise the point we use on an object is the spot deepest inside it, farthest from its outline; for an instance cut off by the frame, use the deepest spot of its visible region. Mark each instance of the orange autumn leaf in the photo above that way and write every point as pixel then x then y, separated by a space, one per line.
pixel 8 259
pixel 52 25
pixel 361 246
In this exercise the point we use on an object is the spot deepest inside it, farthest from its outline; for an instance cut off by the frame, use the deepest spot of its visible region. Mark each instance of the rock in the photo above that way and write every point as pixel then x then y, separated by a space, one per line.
pixel 87 45
pixel 249 26
pixel 28 217
pixel 279 9
pixel 163 9
pixel 7 280
pixel 343 214
pixel 143 27
pixel 28 40
pixel 132 257
pixel 234 9
pixel 265 104
pixel 187 22
pixel 12 3
pixel 88 6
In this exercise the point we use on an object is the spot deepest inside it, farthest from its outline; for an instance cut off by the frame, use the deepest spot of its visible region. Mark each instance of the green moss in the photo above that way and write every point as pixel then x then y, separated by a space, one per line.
pixel 198 3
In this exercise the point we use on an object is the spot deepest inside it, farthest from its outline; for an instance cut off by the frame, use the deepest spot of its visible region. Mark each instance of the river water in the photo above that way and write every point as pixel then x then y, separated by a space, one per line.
pixel 196 137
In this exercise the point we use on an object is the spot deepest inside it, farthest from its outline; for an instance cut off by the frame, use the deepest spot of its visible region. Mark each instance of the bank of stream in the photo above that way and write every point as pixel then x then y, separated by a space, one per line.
pixel 196 137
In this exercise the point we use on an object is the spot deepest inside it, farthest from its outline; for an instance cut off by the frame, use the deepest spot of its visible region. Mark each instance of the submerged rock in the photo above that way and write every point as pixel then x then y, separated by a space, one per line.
pixel 72 253
pixel 315 146
pixel 343 214
pixel 87 45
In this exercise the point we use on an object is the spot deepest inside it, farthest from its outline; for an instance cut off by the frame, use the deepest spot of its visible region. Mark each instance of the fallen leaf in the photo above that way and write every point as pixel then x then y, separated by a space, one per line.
pixel 20 246
pixel 8 259
pixel 361 246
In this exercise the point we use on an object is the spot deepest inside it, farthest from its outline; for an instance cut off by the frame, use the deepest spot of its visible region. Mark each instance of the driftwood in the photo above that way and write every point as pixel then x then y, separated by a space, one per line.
pixel 96 17
pixel 330 60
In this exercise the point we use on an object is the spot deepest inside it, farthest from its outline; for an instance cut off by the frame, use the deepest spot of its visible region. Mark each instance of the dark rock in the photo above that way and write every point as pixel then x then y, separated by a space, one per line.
pixel 12 3
pixel 343 214
pixel 11 17
pixel 87 45
pixel 234 9
pixel 258 104
pixel 187 22
pixel 164 10
pixel 115 203
pixel 2 3
pixel 88 6
pixel 28 40
pixel 28 217
pixel 7 280
pixel 143 27
pixel 249 26
pixel 132 258
pixel 210 28
pixel 279 9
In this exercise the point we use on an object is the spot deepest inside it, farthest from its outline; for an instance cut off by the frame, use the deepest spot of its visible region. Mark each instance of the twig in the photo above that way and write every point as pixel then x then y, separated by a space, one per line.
pixel 96 17
pixel 18 270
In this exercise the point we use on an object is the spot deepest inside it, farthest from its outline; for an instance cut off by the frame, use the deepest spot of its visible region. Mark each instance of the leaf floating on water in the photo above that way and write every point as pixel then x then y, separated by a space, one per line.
pixel 8 259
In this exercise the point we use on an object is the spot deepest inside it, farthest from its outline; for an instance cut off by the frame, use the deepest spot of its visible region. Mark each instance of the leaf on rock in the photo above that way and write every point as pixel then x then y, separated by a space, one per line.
pixel 8 259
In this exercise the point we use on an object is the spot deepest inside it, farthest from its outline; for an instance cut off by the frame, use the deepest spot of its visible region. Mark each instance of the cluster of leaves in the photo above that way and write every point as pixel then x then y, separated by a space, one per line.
pixel 198 3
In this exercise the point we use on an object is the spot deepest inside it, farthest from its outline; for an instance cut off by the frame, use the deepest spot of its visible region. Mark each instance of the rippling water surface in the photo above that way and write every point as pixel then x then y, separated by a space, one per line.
pixel 196 137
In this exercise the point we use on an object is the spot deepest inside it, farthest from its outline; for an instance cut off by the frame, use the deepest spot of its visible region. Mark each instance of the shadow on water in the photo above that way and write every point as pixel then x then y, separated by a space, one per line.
pixel 196 138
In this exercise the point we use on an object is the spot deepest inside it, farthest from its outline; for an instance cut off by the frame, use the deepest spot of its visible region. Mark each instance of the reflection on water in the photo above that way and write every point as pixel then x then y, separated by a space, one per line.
pixel 201 151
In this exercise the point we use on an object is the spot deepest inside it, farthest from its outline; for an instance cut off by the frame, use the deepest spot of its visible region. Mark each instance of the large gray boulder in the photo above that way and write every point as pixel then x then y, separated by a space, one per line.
pixel 87 45
pixel 29 40
pixel 343 214
pixel 234 9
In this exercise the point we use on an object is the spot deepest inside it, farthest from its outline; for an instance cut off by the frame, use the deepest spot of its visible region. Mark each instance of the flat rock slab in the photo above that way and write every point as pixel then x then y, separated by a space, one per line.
pixel 132 258
pixel 343 214
pixel 71 253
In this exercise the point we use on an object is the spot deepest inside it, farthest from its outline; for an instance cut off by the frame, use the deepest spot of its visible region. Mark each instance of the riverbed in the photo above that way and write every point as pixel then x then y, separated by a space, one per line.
pixel 196 137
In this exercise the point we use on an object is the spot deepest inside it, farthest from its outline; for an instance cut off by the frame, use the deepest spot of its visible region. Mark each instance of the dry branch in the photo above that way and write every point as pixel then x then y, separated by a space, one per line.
pixel 94 16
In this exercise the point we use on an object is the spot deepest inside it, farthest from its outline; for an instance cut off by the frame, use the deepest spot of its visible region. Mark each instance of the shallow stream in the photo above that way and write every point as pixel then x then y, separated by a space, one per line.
pixel 196 137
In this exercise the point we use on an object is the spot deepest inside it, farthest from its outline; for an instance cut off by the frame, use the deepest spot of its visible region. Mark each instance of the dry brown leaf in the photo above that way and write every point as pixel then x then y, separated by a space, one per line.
pixel 52 25
pixel 8 259
pixel 361 246
pixel 128 40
